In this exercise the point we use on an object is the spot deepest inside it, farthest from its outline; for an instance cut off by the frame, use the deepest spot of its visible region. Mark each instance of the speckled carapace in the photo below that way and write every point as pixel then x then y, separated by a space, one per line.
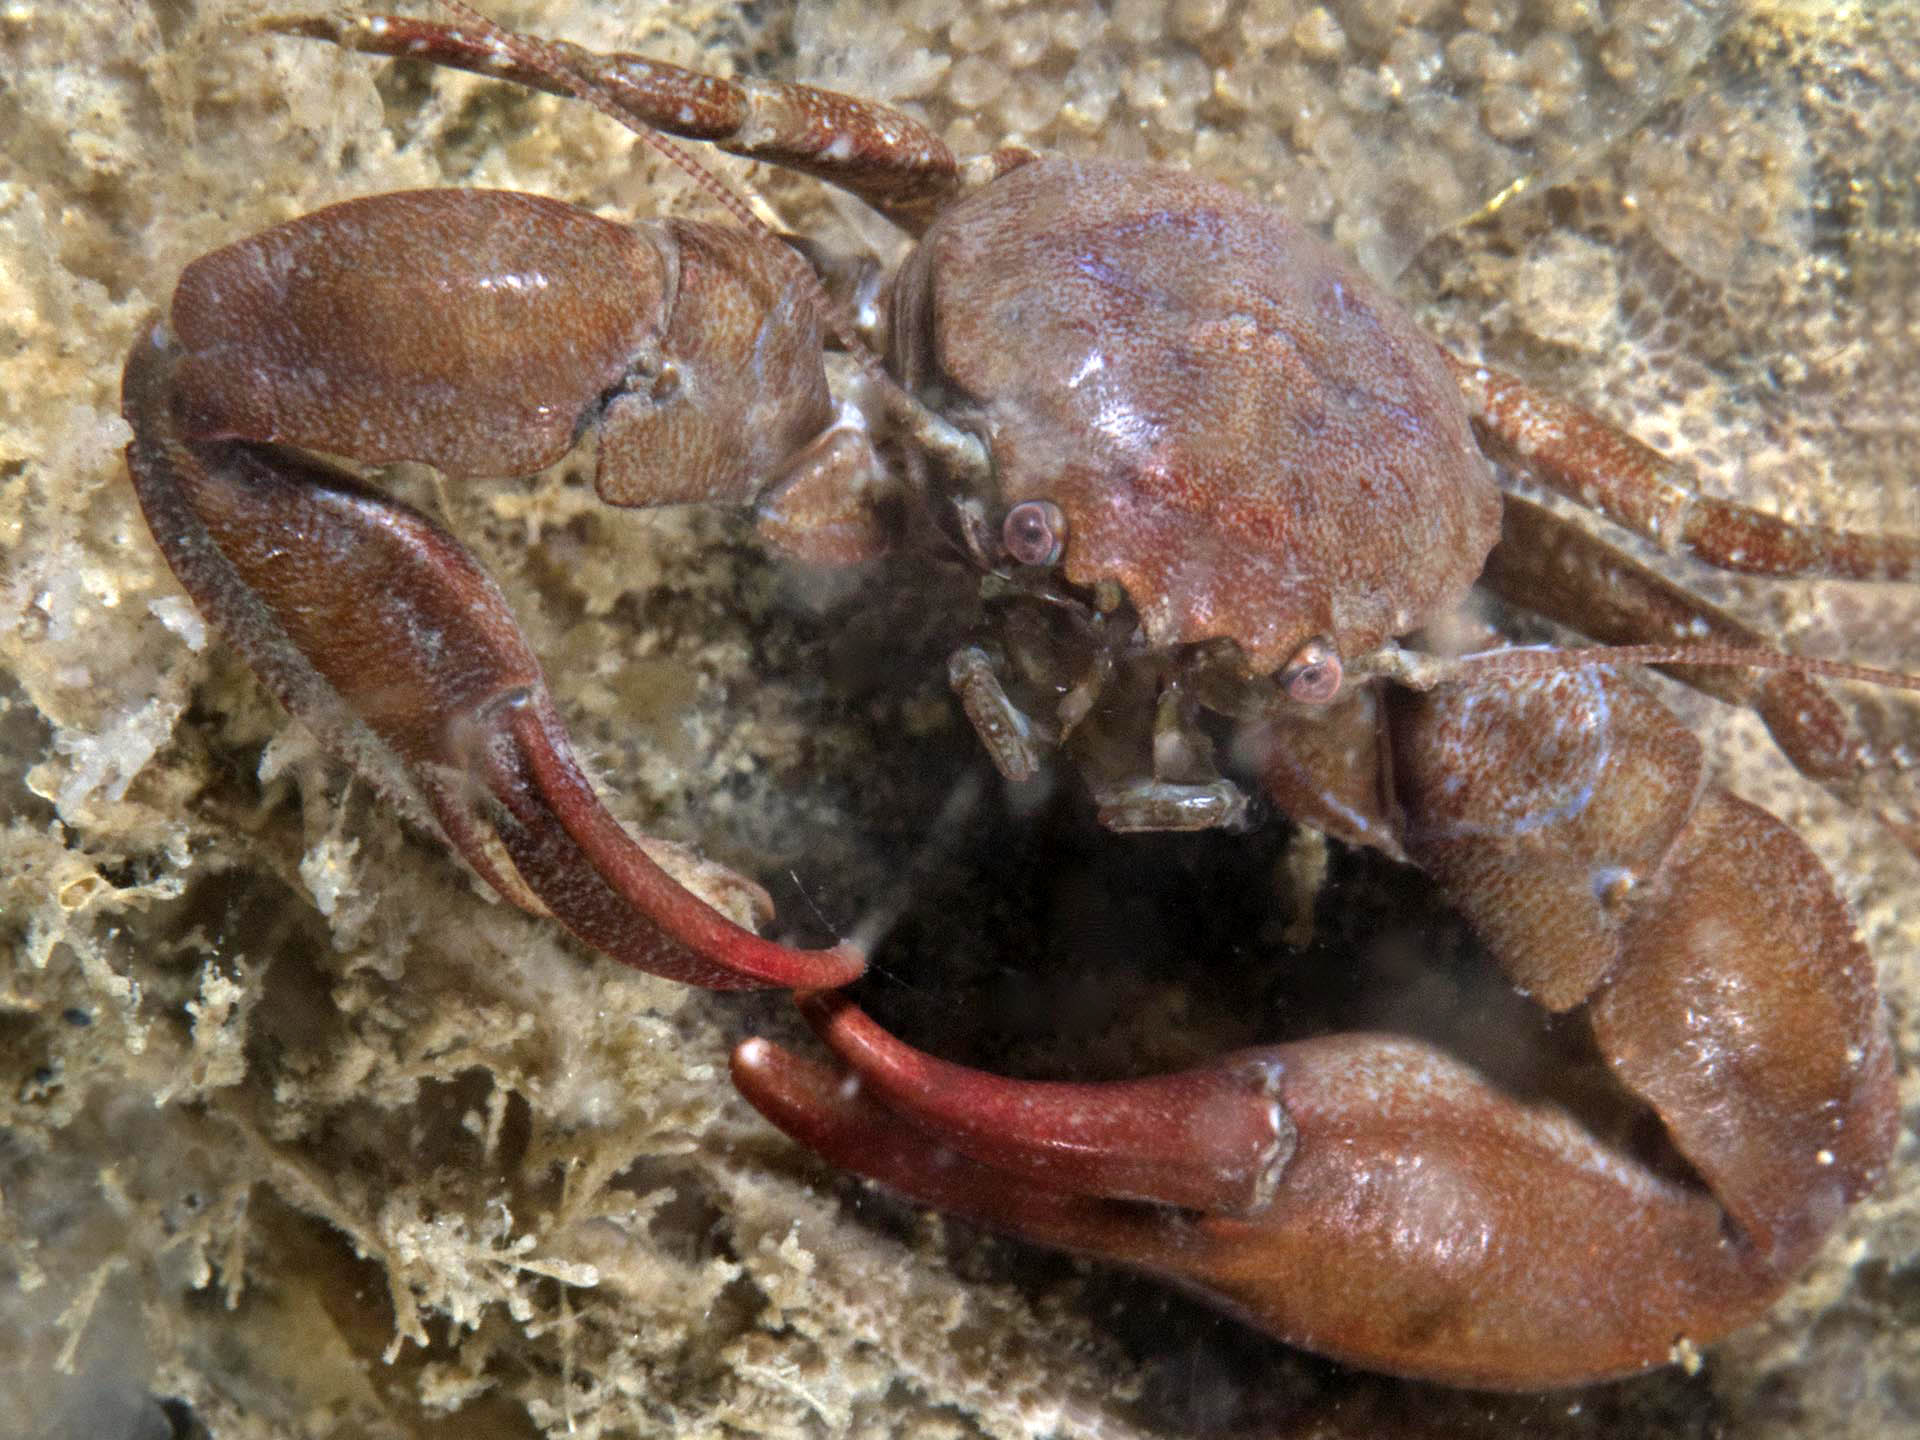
pixel 1243 433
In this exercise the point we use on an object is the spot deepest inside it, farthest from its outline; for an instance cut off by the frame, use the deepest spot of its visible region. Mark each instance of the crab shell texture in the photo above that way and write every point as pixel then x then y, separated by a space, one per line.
pixel 1241 431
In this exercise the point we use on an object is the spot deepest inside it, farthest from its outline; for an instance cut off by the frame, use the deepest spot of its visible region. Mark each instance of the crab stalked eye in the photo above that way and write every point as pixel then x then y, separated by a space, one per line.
pixel 1034 532
pixel 1312 676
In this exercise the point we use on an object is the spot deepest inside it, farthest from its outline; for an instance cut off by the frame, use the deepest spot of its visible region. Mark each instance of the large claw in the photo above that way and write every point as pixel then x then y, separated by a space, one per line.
pixel 379 630
pixel 1402 1213
pixel 1371 1198
pixel 1234 1138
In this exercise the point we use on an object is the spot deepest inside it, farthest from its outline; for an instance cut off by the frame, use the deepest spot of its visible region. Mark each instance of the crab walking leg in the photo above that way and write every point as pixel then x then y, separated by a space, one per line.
pixel 377 627
pixel 882 155
pixel 1423 1223
pixel 1580 455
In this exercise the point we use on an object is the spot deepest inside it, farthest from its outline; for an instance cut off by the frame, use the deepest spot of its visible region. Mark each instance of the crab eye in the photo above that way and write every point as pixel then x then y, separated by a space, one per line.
pixel 1312 676
pixel 1034 532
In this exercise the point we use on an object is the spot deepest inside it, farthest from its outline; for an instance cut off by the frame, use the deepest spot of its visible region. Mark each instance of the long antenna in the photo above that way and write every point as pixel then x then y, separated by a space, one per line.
pixel 1423 672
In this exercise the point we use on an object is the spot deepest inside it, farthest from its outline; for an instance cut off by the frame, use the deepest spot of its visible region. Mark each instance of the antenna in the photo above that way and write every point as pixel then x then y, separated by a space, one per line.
pixel 1423 672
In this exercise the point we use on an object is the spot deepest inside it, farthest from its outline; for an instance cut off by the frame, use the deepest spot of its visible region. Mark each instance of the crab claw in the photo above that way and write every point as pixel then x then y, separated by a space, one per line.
pixel 1363 1196
pixel 381 631
pixel 1116 1140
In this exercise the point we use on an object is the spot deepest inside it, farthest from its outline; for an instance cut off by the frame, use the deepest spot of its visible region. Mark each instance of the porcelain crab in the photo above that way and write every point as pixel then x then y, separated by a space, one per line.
pixel 1210 476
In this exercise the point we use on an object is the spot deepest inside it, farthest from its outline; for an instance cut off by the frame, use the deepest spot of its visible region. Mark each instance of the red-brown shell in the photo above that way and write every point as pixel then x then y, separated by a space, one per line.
pixel 481 330
pixel 1244 433
pixel 471 329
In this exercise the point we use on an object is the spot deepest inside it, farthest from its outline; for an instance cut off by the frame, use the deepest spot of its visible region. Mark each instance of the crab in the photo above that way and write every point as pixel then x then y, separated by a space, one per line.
pixel 1210 479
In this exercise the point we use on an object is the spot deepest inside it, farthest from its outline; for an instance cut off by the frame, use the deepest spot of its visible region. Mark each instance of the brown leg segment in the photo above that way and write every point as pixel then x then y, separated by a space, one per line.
pixel 1580 455
pixel 888 159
